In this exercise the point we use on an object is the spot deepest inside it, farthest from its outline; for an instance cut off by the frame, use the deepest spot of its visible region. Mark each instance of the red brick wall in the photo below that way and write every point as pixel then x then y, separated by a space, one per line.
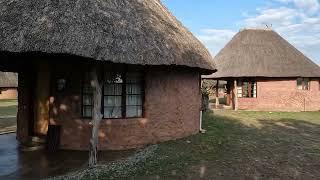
pixel 9 93
pixel 172 105
pixel 283 95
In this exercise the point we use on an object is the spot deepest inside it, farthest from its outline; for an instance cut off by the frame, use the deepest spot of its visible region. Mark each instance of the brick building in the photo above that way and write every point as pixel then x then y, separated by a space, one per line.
pixel 265 72
pixel 8 85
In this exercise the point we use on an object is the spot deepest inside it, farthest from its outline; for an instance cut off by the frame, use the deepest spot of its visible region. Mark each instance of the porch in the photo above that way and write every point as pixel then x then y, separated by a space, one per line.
pixel 17 164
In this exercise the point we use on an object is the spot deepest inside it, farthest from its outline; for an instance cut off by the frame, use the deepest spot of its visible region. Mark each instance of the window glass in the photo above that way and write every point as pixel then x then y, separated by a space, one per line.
pixel 247 89
pixel 87 96
pixel 134 95
pixel 303 83
pixel 239 88
pixel 113 95
pixel 122 94
pixel 306 84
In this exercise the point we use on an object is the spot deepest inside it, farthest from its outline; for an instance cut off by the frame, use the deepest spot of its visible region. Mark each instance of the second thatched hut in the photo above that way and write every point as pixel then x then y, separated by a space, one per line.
pixel 265 72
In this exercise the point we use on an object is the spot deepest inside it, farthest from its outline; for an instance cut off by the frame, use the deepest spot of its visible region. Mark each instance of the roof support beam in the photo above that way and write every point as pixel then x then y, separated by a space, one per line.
pixel 236 107
pixel 217 94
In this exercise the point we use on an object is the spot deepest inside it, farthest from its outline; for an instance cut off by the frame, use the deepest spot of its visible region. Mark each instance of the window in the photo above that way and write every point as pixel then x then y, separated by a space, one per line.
pixel 134 95
pixel 247 89
pixel 113 95
pixel 123 95
pixel 87 96
pixel 303 83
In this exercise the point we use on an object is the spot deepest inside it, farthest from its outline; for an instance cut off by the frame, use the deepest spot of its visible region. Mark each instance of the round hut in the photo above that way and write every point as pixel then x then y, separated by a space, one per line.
pixel 265 72
pixel 148 63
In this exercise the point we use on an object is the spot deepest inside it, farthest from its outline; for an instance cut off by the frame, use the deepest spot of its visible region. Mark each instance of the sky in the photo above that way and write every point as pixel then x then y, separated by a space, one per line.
pixel 215 22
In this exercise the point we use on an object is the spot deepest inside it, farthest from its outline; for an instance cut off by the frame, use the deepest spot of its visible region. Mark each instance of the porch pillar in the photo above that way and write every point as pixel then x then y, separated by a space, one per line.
pixel 42 95
pixel 235 96
pixel 217 94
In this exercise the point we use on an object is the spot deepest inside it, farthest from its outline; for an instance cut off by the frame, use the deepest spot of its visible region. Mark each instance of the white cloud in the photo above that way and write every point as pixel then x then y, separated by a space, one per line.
pixel 295 23
pixel 278 16
pixel 215 39
pixel 311 6
pixel 298 21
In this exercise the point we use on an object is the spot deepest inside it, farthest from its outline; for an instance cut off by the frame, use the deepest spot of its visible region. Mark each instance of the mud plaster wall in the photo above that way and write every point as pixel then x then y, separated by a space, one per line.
pixel 283 95
pixel 172 105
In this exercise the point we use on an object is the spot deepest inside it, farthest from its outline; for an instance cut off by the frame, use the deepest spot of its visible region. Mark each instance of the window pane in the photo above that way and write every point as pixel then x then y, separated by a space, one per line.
pixel 113 89
pixel 87 100
pixel 239 91
pixel 87 89
pixel 299 83
pixel 133 89
pixel 112 112
pixel 306 83
pixel 134 100
pixel 134 111
pixel 245 89
pixel 87 111
pixel 112 100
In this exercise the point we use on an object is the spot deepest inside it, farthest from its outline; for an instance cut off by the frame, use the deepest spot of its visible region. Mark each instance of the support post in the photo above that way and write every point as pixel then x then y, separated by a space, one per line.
pixel 217 94
pixel 235 95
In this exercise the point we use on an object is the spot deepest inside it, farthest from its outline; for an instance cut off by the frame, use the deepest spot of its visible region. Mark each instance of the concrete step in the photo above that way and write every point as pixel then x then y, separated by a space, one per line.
pixel 38 139
pixel 34 143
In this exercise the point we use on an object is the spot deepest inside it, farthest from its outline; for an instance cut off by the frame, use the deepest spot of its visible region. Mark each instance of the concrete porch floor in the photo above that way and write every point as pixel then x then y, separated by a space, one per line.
pixel 15 164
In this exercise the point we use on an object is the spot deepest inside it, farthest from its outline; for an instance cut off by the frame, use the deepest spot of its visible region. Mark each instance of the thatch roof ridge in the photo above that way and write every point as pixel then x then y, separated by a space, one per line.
pixel 8 80
pixel 121 31
pixel 262 53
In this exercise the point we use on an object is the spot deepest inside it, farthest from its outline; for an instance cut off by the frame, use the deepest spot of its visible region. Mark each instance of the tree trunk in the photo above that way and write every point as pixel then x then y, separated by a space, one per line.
pixel 96 118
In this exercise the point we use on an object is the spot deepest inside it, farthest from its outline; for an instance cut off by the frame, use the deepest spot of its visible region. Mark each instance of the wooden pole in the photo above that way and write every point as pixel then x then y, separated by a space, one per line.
pixel 235 95
pixel 217 94
pixel 96 118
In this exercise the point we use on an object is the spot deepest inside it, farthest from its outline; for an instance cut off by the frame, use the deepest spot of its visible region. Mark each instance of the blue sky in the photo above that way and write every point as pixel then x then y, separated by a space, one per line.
pixel 215 22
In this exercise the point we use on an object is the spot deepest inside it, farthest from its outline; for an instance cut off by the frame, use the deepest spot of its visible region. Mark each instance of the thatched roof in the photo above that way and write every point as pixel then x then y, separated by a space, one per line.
pixel 8 80
pixel 262 53
pixel 122 31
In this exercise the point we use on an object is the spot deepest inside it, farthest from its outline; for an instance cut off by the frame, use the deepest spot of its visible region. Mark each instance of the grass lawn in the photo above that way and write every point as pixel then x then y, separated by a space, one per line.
pixel 8 112
pixel 237 145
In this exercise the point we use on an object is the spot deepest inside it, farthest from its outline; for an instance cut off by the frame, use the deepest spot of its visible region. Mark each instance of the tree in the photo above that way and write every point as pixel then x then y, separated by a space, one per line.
pixel 96 117
pixel 206 88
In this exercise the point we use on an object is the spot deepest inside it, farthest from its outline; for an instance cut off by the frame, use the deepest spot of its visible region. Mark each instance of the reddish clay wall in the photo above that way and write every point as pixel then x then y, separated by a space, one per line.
pixel 172 105
pixel 9 93
pixel 283 95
